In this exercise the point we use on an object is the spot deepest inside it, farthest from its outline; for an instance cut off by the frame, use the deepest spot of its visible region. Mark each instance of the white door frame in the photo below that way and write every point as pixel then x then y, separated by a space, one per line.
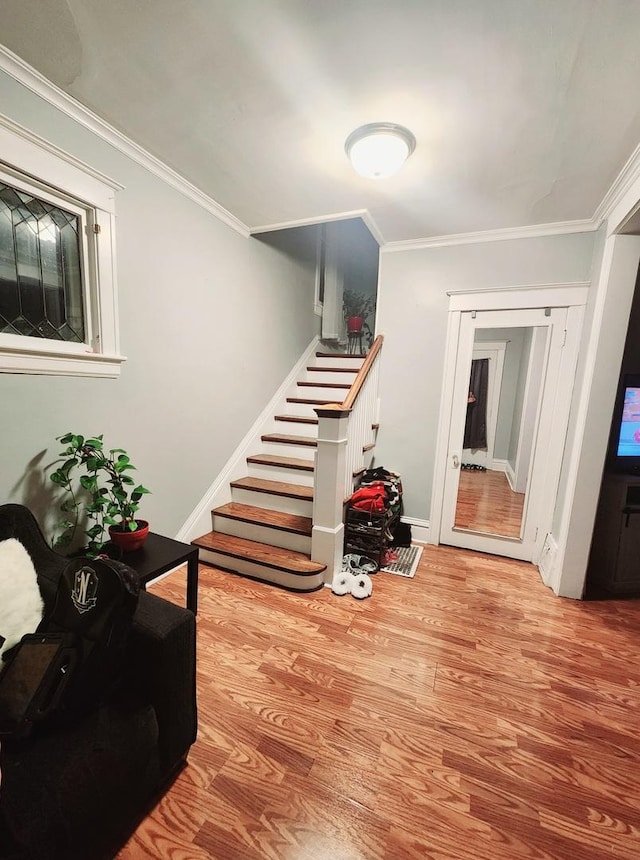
pixel 572 296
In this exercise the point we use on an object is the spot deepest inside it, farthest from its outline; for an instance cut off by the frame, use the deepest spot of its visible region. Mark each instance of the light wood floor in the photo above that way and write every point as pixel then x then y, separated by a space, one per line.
pixel 465 713
pixel 486 503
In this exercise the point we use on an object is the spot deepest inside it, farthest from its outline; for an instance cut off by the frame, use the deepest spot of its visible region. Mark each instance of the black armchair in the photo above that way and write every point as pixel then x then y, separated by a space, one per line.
pixel 76 793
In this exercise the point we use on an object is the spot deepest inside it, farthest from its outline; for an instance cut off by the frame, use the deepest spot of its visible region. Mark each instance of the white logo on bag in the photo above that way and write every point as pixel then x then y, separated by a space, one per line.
pixel 85 588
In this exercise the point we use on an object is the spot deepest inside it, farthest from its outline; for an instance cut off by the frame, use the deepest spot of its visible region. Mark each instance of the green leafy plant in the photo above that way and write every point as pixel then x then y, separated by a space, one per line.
pixel 98 484
pixel 355 304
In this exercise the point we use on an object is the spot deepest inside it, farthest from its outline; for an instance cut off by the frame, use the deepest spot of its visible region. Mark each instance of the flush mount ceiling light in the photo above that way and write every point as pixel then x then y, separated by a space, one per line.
pixel 379 149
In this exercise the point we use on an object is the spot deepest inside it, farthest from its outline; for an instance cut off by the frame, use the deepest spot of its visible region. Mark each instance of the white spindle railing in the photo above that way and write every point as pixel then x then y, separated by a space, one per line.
pixel 361 431
pixel 344 431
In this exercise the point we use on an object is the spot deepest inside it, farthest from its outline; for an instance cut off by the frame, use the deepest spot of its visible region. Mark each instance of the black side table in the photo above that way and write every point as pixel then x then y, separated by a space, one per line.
pixel 156 556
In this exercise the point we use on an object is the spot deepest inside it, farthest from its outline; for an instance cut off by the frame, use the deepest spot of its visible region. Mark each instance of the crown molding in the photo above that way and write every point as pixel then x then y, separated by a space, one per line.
pixel 532 232
pixel 618 204
pixel 621 200
pixel 30 78
pixel 364 214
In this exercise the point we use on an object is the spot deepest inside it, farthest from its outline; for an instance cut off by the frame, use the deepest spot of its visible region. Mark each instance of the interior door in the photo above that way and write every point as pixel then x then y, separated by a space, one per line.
pixel 481 511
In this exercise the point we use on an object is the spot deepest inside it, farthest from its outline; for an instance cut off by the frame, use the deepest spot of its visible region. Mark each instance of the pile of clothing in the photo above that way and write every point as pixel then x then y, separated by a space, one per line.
pixel 380 491
pixel 379 497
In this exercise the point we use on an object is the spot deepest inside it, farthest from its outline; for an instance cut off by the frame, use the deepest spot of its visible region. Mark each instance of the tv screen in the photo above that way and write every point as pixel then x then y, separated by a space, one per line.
pixel 629 427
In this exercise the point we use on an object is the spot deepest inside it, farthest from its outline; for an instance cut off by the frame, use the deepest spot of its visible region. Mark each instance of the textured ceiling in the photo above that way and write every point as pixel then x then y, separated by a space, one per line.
pixel 524 110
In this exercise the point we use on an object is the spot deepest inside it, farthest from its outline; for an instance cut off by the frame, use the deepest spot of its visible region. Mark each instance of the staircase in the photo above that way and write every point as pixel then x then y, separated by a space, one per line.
pixel 265 530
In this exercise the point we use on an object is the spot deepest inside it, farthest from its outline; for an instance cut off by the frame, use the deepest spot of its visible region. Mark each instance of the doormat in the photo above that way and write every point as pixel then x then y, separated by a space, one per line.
pixel 408 558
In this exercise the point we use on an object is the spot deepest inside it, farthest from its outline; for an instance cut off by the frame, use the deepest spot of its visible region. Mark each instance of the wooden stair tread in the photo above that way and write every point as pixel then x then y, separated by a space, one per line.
pixel 313 369
pixel 285 462
pixel 310 401
pixel 296 419
pixel 276 488
pixel 262 553
pixel 368 447
pixel 335 355
pixel 266 517
pixel 290 440
pixel 324 384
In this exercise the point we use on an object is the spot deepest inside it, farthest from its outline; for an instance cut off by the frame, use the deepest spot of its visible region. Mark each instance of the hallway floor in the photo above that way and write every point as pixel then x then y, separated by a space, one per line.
pixel 465 713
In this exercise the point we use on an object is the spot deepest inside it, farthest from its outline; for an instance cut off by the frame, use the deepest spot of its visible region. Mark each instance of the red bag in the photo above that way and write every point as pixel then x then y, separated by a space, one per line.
pixel 372 498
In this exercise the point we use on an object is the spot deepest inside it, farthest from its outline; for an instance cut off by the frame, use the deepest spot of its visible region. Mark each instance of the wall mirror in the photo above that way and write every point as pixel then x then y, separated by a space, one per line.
pixel 503 401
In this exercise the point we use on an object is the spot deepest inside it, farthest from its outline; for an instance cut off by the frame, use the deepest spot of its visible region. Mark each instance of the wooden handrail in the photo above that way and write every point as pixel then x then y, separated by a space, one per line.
pixel 359 381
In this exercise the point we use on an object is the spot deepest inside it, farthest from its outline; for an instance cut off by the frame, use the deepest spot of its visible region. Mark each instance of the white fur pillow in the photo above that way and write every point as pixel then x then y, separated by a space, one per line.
pixel 21 604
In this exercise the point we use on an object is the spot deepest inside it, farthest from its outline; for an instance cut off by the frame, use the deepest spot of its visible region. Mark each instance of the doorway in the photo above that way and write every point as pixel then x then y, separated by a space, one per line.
pixel 485 384
pixel 506 507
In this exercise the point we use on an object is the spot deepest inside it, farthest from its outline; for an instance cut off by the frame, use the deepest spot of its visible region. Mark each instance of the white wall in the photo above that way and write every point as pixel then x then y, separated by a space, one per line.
pixel 412 314
pixel 211 323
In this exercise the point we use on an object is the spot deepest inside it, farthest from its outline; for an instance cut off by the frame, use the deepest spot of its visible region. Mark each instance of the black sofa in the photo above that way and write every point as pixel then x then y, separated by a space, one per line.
pixel 78 792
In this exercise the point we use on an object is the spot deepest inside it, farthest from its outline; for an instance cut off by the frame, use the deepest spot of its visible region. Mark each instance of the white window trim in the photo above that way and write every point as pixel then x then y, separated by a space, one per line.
pixel 48 167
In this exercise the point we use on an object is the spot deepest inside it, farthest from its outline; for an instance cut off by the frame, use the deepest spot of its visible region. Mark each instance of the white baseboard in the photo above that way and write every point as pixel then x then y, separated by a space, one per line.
pixel 419 529
pixel 199 521
pixel 506 467
pixel 547 560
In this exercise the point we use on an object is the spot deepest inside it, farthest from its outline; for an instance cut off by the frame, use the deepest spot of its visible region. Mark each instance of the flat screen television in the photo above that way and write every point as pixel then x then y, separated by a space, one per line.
pixel 625 431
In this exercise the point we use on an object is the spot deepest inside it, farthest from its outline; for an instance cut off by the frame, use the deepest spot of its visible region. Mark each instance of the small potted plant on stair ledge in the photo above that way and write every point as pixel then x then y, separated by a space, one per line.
pixel 100 488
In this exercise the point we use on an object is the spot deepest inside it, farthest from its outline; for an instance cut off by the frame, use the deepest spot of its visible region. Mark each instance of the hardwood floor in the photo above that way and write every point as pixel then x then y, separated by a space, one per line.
pixel 486 503
pixel 465 713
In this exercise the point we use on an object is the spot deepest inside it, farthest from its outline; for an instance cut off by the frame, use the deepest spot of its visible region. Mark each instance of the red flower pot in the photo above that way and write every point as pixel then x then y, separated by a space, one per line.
pixel 129 541
pixel 354 324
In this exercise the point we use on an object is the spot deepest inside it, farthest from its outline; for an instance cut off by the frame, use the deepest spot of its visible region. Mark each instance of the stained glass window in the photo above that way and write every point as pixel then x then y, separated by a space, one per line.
pixel 40 268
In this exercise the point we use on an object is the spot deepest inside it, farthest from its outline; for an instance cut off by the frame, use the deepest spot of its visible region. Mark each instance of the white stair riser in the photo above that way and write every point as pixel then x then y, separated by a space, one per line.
pixel 328 376
pixel 296 428
pixel 305 410
pixel 269 501
pixel 280 473
pixel 339 360
pixel 283 449
pixel 331 395
pixel 262 534
pixel 258 571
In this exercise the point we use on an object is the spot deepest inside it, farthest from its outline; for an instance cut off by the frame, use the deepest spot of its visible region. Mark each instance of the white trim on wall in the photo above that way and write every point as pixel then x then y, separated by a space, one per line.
pixel 587 225
pixel 18 144
pixel 547 561
pixel 620 201
pixel 363 214
pixel 614 201
pixel 32 164
pixel 522 296
pixel 30 78
pixel 419 529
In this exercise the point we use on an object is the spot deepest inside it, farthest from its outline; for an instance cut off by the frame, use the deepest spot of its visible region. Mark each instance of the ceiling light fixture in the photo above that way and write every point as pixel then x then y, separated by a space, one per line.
pixel 379 149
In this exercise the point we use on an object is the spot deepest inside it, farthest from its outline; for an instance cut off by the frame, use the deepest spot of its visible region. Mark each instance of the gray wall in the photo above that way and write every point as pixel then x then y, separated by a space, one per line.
pixel 518 405
pixel 412 314
pixel 210 322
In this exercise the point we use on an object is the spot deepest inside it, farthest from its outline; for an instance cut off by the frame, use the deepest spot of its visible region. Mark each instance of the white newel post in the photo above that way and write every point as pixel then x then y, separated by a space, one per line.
pixel 327 537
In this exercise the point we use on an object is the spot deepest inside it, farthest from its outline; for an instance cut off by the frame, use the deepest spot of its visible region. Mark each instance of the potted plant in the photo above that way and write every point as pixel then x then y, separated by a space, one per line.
pixel 356 308
pixel 98 481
